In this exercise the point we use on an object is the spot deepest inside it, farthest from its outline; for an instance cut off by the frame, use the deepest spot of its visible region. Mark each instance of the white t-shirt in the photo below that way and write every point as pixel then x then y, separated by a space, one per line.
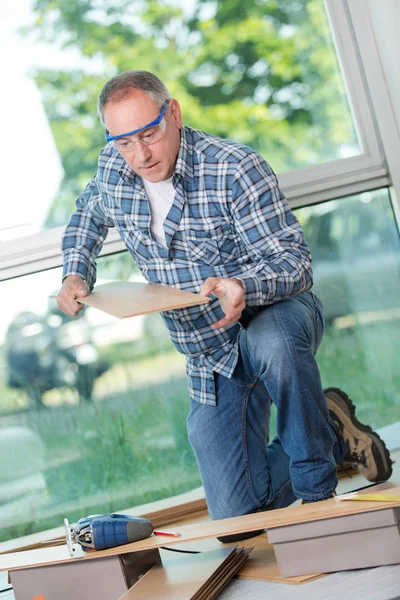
pixel 161 196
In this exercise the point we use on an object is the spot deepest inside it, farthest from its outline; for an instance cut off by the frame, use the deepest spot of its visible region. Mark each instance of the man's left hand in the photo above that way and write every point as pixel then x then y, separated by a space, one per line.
pixel 231 297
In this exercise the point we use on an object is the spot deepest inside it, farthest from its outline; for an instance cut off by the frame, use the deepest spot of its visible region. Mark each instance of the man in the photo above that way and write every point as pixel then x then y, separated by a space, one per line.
pixel 206 215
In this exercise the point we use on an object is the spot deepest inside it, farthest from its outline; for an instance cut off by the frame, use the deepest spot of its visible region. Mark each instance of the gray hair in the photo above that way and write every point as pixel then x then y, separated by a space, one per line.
pixel 119 86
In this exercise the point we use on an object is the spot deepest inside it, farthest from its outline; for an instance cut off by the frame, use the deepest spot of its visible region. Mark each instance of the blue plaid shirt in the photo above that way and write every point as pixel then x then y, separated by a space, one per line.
pixel 228 219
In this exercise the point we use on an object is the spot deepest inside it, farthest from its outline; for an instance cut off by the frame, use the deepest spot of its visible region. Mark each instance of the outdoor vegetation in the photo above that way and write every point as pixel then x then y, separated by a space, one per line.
pixel 261 72
pixel 128 448
pixel 124 451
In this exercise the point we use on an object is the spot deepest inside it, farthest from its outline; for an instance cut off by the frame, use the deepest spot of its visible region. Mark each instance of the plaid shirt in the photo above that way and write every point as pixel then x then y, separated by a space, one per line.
pixel 229 219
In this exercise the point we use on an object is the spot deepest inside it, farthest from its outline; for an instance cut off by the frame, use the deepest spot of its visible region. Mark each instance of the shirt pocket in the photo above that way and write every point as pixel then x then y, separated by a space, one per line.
pixel 212 246
pixel 137 241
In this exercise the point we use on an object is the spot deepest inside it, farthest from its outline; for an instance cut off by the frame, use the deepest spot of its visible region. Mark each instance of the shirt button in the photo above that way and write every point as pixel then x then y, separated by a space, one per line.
pixel 209 235
pixel 146 231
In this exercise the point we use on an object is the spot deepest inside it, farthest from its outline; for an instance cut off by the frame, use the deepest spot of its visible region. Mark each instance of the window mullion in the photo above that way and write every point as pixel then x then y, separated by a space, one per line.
pixel 359 13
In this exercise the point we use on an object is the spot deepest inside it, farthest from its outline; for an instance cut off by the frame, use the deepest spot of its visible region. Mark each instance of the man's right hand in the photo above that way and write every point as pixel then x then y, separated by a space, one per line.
pixel 73 287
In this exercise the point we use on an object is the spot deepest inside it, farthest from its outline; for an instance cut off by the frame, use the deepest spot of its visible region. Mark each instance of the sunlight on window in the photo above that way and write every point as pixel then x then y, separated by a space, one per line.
pixel 261 74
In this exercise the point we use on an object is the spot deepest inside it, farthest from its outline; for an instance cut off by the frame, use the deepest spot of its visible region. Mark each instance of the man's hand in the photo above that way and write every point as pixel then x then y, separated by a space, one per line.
pixel 231 298
pixel 73 287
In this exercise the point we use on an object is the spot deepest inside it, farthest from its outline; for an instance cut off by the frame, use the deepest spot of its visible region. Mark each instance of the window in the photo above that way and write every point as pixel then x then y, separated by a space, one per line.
pixel 355 246
pixel 274 84
pixel 298 80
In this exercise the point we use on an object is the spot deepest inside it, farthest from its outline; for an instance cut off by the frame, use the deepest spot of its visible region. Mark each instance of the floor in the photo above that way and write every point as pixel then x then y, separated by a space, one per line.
pixel 381 583
pixel 4 585
pixel 367 584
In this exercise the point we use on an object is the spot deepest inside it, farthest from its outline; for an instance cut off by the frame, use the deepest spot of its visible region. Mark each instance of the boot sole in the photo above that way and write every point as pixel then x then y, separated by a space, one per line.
pixel 380 452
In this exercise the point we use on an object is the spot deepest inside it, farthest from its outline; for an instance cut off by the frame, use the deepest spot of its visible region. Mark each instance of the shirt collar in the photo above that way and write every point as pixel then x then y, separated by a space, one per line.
pixel 184 163
pixel 127 173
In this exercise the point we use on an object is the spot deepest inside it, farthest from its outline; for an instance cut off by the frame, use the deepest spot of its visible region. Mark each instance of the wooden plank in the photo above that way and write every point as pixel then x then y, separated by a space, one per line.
pixel 124 299
pixel 264 520
pixel 261 564
pixel 189 576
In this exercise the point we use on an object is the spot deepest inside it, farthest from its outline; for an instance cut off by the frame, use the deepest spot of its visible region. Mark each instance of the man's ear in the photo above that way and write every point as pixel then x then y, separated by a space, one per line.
pixel 175 112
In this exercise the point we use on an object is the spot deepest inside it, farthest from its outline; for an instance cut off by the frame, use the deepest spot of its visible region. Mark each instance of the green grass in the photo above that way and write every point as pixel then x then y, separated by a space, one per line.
pixel 364 362
pixel 127 450
pixel 130 446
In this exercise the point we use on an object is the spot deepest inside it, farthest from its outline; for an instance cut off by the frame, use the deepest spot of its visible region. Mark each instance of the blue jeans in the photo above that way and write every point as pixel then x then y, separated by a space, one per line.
pixel 241 473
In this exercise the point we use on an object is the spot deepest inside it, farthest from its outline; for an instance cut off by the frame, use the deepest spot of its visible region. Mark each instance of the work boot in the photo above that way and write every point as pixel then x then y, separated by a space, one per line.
pixel 365 450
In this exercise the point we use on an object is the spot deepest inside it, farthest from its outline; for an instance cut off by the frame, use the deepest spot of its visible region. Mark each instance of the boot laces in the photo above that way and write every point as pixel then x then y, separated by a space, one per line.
pixel 355 457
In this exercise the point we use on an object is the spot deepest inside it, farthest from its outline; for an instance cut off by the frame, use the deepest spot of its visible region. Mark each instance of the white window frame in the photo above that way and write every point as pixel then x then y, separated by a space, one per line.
pixel 374 167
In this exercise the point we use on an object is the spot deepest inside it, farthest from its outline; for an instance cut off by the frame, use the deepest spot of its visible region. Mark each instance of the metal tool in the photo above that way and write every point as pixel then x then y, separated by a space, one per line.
pixel 98 532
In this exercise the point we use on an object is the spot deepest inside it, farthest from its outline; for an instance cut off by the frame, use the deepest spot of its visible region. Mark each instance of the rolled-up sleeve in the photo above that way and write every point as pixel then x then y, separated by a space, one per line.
pixel 272 234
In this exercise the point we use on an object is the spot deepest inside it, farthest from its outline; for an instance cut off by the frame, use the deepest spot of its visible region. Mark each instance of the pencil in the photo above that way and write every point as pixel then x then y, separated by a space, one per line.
pixel 170 533
pixel 375 497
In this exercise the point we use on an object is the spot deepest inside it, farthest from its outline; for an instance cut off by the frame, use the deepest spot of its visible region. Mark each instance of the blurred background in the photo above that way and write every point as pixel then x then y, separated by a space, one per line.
pixel 92 409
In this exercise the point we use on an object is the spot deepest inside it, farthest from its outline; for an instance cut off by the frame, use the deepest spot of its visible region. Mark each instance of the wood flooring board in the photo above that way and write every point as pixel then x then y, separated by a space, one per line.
pixel 214 587
pixel 262 566
pixel 198 577
pixel 176 579
pixel 184 508
pixel 295 514
pixel 360 541
pixel 103 579
pixel 124 299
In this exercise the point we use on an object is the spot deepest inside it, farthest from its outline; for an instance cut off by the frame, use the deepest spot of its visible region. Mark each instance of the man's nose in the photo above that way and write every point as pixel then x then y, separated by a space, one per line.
pixel 142 151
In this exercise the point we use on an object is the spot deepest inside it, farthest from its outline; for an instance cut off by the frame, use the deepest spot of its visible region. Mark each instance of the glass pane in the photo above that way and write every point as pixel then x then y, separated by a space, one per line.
pixel 355 246
pixel 262 73
pixel 92 409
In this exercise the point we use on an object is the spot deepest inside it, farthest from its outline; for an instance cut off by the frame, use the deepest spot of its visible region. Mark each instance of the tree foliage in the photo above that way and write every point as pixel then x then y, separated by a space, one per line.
pixel 263 72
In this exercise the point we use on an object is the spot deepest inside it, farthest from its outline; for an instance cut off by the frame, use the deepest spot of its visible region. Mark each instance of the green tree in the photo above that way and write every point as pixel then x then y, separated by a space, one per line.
pixel 262 72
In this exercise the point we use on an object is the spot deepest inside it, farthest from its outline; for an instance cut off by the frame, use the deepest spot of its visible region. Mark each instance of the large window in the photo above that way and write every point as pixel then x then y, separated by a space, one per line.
pixel 100 406
pixel 265 74
pixel 355 246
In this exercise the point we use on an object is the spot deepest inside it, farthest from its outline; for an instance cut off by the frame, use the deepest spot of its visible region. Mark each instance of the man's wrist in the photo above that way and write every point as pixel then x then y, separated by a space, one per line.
pixel 74 275
pixel 239 281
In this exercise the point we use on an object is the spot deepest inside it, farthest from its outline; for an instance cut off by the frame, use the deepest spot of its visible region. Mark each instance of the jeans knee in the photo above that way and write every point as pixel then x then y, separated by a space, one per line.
pixel 269 355
pixel 277 335
pixel 197 432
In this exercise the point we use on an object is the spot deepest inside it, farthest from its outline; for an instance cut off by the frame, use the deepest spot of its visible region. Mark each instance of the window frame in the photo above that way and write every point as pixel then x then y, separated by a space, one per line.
pixel 375 167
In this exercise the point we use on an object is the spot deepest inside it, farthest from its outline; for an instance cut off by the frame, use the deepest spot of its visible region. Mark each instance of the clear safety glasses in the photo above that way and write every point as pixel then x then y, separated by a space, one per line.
pixel 147 135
